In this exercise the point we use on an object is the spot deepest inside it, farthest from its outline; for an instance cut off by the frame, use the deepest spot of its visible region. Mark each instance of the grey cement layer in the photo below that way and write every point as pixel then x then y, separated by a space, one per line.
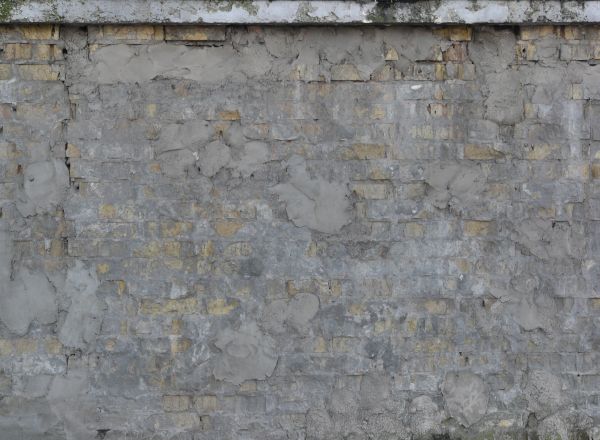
pixel 300 12
pixel 306 233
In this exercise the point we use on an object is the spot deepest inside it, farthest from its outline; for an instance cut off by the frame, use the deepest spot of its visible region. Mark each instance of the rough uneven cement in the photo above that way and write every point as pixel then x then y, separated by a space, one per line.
pixel 299 232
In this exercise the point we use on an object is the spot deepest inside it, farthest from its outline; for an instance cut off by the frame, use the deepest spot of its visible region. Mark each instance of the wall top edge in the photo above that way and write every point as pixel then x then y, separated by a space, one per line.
pixel 294 12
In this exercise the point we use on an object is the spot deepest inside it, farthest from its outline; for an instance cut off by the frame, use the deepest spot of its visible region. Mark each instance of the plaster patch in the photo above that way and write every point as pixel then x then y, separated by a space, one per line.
pixel 44 187
pixel 245 354
pixel 543 392
pixel 453 184
pixel 314 202
pixel 425 416
pixel 84 318
pixel 466 396
pixel 297 313
pixel 213 157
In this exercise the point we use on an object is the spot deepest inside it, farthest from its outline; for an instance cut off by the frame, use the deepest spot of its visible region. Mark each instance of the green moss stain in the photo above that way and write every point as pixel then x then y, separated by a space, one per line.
pixel 418 11
pixel 6 9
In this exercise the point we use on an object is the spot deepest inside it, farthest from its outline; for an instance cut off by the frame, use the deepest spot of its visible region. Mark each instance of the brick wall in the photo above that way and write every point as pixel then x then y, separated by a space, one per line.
pixel 301 232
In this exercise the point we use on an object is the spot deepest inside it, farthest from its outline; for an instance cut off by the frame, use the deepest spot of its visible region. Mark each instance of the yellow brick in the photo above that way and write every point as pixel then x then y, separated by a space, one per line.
pixel 370 190
pixel 176 403
pixel 227 228
pixel 181 306
pixel 220 306
pixel 320 345
pixel 480 152
pixel 45 52
pixel 40 31
pixel 534 32
pixel 345 72
pixel 391 54
pixel 207 249
pixel 242 249
pixel 230 115
pixel 53 346
pixel 573 32
pixel 102 268
pixel 596 170
pixel 180 345
pixel 414 230
pixel 382 326
pixel 37 72
pixel 248 386
pixel 25 345
pixel 541 152
pixel 365 151
pixel 436 307
pixel 476 228
pixel 5 72
pixel 6 347
pixel 455 33
pixel 107 211
pixel 172 248
pixel 135 32
pixel 72 151
pixel 440 72
pixel 205 403
pixel 175 229
pixel 576 91
pixel 356 309
pixel 17 51
pixel 195 33
pixel 341 344
pixel 151 249
pixel 151 110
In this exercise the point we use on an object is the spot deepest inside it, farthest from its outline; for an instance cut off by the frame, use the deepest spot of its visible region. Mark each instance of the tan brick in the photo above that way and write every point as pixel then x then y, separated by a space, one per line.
pixel 39 31
pixel 5 72
pixel 220 306
pixel 596 170
pixel 176 403
pixel 456 52
pixel 370 190
pixel 182 306
pixel 480 152
pixel 436 307
pixel 17 51
pixel 38 72
pixel 229 115
pixel 171 229
pixel 205 403
pixel 107 211
pixel 365 151
pixel 25 345
pixel 72 151
pixel 133 32
pixel 345 72
pixel 195 33
pixel 6 347
pixel 455 33
pixel 477 228
pixel 228 228
pixel 180 345
pixel 414 230
pixel 541 151
pixel 535 32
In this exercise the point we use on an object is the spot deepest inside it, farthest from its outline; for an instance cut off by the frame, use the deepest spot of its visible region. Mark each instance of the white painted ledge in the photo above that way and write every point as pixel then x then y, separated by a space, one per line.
pixel 300 12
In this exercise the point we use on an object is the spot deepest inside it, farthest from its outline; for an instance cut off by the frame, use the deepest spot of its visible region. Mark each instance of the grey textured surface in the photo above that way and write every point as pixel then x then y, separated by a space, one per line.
pixel 299 232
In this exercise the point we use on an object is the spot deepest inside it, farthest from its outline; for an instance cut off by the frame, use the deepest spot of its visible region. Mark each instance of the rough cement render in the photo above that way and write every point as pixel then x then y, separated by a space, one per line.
pixel 299 232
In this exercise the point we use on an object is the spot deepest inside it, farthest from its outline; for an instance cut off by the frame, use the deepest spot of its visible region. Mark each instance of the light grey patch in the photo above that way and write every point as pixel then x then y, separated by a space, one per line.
pixel 213 157
pixel 316 203
pixel 245 354
pixel 44 187
pixel 176 163
pixel 29 297
pixel 533 311
pixel 251 267
pixel 543 392
pixel 504 102
pixel 453 184
pixel 68 399
pixel 425 416
pixel 189 135
pixel 31 419
pixel 374 390
pixel 36 386
pixel 85 314
pixel 254 155
pixel 296 312
pixel 234 136
pixel 343 401
pixel 547 239
pixel 466 396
